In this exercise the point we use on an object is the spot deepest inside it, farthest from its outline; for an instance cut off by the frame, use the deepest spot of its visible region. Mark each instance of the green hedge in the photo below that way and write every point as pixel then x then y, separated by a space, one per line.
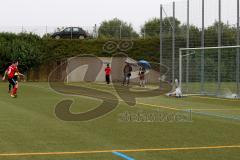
pixel 33 51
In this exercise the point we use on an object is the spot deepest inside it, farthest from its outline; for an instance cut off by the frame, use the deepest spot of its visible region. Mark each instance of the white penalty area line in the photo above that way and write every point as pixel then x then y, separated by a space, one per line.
pixel 119 99
pixel 214 109
pixel 157 106
pixel 120 150
pixel 160 106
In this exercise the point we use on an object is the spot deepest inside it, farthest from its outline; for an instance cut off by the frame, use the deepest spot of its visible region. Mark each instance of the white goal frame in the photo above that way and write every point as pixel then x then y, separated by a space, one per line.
pixel 210 48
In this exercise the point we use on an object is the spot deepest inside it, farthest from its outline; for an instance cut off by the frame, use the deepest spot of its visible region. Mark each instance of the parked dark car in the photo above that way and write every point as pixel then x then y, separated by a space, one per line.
pixel 71 33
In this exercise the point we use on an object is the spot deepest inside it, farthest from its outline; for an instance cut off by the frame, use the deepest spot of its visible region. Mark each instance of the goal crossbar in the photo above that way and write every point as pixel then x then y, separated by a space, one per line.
pixel 208 48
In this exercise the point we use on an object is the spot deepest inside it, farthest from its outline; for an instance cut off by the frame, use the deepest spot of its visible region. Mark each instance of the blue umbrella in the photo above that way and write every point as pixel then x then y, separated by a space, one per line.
pixel 144 64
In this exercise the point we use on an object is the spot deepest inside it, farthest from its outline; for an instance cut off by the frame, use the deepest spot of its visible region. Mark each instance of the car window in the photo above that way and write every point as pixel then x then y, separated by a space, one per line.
pixel 67 30
pixel 75 29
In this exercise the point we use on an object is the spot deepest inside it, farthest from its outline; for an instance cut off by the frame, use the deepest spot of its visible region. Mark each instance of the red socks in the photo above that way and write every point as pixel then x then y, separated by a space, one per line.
pixel 14 91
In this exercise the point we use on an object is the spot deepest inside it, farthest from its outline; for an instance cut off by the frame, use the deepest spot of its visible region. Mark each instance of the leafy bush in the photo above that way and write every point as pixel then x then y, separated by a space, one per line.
pixel 23 47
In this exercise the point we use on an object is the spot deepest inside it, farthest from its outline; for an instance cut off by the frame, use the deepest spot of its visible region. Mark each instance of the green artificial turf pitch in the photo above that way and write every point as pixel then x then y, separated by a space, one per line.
pixel 28 124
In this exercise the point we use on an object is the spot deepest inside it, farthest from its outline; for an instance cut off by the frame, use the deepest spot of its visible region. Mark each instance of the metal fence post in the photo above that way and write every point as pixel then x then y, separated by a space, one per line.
pixel 46 30
pixel 120 31
pixel 180 68
pixel 144 32
pixel 161 44
pixel 22 29
pixel 238 54
pixel 219 45
pixel 187 45
pixel 173 45
pixel 202 52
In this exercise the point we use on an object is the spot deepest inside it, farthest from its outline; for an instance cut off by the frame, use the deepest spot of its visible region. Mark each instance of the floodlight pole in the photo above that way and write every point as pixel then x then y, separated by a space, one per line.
pixel 219 45
pixel 238 54
pixel 202 53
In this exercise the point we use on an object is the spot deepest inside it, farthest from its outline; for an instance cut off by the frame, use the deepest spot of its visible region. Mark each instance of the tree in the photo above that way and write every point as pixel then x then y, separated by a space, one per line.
pixel 116 28
pixel 151 28
pixel 228 35
pixel 194 35
pixel 23 47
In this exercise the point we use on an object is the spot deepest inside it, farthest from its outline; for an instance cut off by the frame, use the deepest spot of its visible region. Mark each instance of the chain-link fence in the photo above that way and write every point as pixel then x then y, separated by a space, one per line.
pixel 45 31
pixel 220 76
pixel 69 32
pixel 201 23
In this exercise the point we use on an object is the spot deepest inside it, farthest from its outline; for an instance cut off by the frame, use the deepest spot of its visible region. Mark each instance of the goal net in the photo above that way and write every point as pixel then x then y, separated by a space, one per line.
pixel 212 71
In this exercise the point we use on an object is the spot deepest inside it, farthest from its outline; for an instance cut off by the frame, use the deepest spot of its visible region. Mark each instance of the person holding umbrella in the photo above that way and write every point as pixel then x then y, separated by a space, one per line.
pixel 142 76
pixel 143 66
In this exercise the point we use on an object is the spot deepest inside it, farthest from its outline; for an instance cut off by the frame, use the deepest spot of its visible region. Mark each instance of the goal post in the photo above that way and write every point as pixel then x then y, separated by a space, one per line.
pixel 210 71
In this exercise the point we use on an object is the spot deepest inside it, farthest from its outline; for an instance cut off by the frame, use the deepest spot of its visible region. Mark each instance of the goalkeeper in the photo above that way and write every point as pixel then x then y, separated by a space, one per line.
pixel 177 92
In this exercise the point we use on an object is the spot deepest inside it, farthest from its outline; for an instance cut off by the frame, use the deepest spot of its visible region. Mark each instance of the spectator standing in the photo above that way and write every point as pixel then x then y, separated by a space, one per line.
pixel 107 73
pixel 142 76
pixel 127 74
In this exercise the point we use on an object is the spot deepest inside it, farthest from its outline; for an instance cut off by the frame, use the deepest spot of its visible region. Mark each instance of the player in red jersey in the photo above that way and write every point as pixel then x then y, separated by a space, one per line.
pixel 12 74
